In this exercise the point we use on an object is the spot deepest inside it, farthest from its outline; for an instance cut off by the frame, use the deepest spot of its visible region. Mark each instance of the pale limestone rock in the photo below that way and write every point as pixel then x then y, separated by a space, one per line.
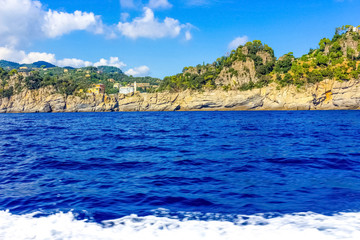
pixel 246 72
pixel 328 94
pixel 265 56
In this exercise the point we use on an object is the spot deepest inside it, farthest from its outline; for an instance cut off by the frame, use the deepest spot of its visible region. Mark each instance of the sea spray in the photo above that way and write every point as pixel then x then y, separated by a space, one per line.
pixel 290 226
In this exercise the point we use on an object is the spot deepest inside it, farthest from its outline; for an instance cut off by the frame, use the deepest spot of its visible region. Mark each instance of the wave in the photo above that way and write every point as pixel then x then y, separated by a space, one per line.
pixel 132 227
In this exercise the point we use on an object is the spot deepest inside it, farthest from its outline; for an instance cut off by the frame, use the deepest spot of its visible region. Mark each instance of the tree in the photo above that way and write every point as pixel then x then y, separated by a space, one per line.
pixel 321 60
pixel 33 81
pixel 7 93
pixel 335 50
pixel 323 43
pixel 284 65
pixel 350 53
pixel 13 72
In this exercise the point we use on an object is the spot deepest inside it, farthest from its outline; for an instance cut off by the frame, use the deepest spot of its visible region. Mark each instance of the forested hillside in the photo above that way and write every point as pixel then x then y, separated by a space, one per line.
pixel 68 81
pixel 254 65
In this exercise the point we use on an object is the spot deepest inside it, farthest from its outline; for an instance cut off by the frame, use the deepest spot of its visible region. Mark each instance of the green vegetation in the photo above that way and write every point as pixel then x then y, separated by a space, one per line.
pixel 5 90
pixel 67 81
pixel 8 65
pixel 42 64
pixel 284 64
pixel 204 76
pixel 335 59
pixel 250 66
pixel 338 58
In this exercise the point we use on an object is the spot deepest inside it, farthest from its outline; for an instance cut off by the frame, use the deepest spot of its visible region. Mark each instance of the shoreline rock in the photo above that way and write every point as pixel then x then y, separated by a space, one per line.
pixel 325 95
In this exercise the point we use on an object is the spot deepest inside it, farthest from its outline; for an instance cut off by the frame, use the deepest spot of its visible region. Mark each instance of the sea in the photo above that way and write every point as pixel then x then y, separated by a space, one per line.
pixel 180 175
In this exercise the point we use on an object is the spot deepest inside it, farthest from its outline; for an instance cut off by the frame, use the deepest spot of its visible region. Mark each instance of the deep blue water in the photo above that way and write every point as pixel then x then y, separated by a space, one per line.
pixel 109 165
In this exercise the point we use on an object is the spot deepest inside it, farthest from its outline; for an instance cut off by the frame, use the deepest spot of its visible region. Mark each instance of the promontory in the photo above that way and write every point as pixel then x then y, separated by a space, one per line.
pixel 248 78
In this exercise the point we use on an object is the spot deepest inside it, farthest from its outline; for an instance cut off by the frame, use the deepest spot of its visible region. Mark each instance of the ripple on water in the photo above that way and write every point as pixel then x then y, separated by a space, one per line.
pixel 117 164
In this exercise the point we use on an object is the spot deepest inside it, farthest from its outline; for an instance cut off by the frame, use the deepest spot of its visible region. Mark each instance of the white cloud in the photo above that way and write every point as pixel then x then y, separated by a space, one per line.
pixel 153 4
pixel 198 2
pixel 148 26
pixel 20 56
pixel 127 4
pixel 188 36
pixel 37 56
pixel 124 16
pixel 60 23
pixel 113 61
pixel 138 71
pixel 11 54
pixel 19 20
pixel 22 21
pixel 73 62
pixel 237 42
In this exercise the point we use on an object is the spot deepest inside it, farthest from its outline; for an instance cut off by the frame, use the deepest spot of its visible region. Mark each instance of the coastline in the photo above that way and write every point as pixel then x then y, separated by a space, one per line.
pixel 325 95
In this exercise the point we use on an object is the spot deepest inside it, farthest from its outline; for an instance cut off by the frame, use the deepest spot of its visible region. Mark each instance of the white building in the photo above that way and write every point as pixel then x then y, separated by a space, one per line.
pixel 353 29
pixel 128 89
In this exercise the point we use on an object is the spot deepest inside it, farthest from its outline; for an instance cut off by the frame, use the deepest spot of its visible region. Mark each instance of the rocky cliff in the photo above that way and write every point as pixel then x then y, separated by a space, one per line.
pixel 328 94
pixel 248 78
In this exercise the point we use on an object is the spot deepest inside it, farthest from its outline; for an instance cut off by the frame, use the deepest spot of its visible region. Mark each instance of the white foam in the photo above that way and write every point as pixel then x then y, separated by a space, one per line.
pixel 297 226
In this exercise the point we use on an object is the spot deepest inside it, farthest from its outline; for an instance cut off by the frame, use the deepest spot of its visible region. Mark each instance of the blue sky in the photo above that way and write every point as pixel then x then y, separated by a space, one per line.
pixel 160 37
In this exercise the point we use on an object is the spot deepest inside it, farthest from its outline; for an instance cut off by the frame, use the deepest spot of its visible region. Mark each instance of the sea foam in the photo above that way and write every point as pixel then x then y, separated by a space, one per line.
pixel 293 226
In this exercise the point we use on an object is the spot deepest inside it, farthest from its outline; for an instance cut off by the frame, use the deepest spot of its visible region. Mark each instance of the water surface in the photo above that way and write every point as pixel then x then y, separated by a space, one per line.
pixel 204 166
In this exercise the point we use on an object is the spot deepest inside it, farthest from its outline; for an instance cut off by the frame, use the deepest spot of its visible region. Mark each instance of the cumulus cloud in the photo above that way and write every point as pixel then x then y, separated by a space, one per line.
pixel 22 21
pixel 113 61
pixel 198 2
pixel 188 36
pixel 37 56
pixel 237 42
pixel 127 4
pixel 153 4
pixel 19 20
pixel 138 71
pixel 159 4
pixel 73 62
pixel 148 26
pixel 124 16
pixel 11 54
pixel 20 56
pixel 60 23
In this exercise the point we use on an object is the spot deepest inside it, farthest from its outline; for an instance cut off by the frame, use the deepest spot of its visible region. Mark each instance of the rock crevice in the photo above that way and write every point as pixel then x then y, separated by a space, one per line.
pixel 328 94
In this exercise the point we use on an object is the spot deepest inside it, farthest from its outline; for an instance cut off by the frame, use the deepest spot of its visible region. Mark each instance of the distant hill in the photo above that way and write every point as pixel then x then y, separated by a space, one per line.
pixel 28 65
pixel 109 69
pixel 43 63
pixel 8 65
pixel 254 65
pixel 13 65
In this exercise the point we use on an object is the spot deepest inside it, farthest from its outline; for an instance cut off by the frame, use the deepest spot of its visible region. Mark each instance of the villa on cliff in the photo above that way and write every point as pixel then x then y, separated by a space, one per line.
pixel 97 89
pixel 128 89
pixel 354 29
pixel 134 87
pixel 141 85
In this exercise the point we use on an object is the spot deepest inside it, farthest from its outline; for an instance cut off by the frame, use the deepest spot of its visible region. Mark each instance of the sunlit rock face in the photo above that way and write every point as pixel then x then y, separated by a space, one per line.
pixel 325 95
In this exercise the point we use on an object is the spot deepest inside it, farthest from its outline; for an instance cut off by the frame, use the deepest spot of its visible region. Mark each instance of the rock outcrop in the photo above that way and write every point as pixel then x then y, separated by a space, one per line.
pixel 325 95
pixel 246 72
